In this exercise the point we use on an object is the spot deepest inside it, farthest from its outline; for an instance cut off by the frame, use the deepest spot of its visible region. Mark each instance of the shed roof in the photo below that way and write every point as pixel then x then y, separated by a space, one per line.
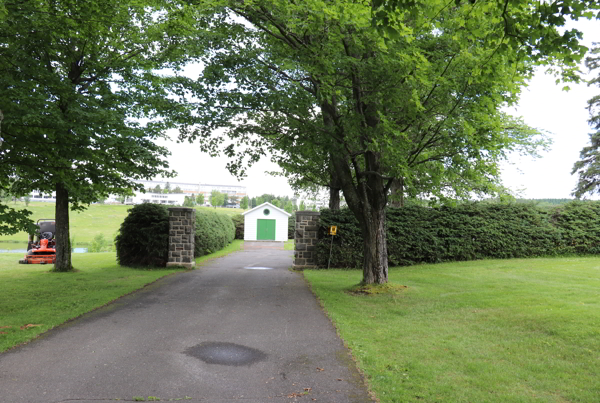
pixel 270 206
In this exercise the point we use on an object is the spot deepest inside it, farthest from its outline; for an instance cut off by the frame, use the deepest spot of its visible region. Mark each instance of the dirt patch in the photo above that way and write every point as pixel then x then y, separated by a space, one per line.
pixel 29 326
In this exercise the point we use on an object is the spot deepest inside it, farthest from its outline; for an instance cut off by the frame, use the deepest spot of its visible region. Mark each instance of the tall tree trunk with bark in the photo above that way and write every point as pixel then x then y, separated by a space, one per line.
pixel 63 243
pixel 367 199
pixel 327 110
pixel 397 193
pixel 375 261
pixel 334 192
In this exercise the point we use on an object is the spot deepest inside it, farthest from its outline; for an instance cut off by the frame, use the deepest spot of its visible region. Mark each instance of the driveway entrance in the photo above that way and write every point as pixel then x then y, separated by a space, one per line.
pixel 241 328
pixel 253 245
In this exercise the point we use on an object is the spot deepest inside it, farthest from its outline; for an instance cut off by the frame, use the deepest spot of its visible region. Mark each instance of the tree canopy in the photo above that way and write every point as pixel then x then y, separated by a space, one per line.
pixel 82 98
pixel 380 95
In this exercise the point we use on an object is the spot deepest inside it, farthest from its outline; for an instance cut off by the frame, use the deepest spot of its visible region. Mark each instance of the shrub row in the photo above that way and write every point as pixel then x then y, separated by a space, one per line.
pixel 214 231
pixel 467 232
pixel 238 221
pixel 144 235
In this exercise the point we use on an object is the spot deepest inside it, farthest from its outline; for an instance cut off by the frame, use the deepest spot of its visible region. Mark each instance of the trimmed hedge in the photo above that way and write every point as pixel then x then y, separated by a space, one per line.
pixel 143 237
pixel 238 221
pixel 214 231
pixel 292 226
pixel 467 232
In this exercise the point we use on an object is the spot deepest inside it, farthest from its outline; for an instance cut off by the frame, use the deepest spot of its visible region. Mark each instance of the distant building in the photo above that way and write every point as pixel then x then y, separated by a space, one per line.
pixel 266 223
pixel 171 199
pixel 164 198
pixel 197 188
pixel 38 196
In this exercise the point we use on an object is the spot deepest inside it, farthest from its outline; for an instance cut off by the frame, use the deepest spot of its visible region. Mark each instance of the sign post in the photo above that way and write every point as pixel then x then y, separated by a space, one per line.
pixel 332 232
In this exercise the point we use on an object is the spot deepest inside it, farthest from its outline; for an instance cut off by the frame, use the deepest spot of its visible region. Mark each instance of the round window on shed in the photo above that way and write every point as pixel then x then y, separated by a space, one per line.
pixel 266 211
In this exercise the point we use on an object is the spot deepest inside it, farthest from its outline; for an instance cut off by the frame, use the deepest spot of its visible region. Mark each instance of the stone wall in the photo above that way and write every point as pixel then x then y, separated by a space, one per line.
pixel 182 228
pixel 307 225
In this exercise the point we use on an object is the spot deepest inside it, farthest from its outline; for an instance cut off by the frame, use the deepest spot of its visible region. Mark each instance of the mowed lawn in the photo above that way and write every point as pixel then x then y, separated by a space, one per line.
pixel 97 219
pixel 482 331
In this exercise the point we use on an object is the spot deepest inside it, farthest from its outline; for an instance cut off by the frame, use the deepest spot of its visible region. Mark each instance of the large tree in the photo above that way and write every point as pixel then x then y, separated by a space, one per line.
pixel 76 77
pixel 414 103
pixel 588 167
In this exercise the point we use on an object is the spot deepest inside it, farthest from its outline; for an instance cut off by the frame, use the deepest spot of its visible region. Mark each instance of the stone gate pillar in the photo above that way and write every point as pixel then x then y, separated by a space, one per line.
pixel 305 236
pixel 182 229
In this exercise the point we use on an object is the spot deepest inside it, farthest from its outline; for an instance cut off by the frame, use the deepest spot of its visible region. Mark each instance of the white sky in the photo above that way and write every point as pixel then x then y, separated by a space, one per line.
pixel 544 105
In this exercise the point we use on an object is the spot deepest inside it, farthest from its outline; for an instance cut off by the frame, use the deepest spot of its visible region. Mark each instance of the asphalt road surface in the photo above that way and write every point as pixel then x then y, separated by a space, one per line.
pixel 241 328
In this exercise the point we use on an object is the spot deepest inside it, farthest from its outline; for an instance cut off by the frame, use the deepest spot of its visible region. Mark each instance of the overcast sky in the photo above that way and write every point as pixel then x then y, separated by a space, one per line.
pixel 544 105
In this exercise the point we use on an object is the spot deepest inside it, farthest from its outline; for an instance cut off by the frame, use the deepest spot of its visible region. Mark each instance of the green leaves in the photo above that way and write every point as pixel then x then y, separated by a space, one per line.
pixel 76 77
pixel 13 221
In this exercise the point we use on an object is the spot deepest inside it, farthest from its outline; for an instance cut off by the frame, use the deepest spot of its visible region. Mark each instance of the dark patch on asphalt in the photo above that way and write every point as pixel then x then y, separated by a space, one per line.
pixel 231 354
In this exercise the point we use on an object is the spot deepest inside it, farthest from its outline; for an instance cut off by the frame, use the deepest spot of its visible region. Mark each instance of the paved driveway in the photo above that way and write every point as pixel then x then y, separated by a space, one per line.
pixel 252 245
pixel 243 327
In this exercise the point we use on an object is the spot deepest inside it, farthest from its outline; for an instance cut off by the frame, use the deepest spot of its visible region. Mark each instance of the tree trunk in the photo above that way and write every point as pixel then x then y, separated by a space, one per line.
pixel 334 191
pixel 375 262
pixel 334 198
pixel 367 200
pixel 397 196
pixel 63 243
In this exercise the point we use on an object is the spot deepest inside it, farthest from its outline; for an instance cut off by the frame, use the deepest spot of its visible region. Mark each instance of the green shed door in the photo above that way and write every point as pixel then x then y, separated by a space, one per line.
pixel 265 230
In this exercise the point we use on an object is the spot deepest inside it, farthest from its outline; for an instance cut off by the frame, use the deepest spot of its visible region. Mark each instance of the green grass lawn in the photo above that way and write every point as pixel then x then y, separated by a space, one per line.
pixel 97 219
pixel 482 331
pixel 31 295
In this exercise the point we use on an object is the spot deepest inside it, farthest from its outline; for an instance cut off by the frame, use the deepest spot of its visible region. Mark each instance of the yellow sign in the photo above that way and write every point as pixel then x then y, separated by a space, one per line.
pixel 332 230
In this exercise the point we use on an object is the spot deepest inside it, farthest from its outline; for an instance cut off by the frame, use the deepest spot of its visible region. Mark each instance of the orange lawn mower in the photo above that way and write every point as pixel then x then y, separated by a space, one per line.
pixel 43 249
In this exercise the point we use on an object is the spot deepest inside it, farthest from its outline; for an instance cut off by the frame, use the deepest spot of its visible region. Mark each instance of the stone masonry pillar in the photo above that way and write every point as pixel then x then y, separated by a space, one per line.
pixel 182 229
pixel 307 226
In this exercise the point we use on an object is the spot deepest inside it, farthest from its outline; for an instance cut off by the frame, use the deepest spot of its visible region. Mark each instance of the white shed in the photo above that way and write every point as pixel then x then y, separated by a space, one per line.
pixel 266 223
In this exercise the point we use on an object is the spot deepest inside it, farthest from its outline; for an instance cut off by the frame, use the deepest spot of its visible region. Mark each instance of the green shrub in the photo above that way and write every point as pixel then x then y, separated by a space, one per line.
pixel 468 231
pixel 143 237
pixel 214 231
pixel 238 222
pixel 99 244
pixel 292 226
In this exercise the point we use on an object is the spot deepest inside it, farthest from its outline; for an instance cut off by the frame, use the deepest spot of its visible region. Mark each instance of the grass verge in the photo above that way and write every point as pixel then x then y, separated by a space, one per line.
pixel 483 331
pixel 289 244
